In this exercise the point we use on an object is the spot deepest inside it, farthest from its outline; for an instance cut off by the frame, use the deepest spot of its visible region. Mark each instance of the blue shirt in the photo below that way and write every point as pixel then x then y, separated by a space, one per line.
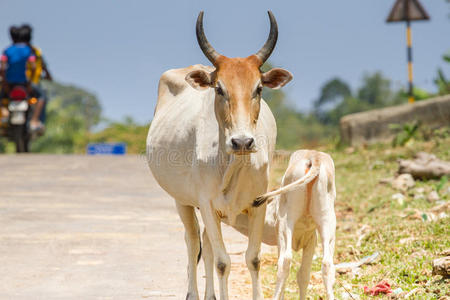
pixel 17 56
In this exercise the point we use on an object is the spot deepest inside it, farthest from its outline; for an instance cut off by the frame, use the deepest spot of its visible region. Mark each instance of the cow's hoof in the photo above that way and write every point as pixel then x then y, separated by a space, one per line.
pixel 190 296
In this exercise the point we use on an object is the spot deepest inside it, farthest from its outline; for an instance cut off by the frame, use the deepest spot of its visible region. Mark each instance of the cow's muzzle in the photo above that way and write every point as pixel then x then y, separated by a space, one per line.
pixel 243 145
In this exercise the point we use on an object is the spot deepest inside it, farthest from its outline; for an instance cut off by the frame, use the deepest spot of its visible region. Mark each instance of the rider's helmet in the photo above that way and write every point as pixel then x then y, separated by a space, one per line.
pixel 25 33
pixel 14 33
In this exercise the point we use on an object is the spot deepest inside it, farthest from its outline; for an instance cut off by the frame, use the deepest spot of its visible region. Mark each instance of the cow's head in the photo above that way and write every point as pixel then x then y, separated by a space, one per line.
pixel 238 84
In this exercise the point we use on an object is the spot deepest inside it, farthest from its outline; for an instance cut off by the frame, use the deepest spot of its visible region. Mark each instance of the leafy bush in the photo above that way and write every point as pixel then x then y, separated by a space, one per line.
pixel 406 132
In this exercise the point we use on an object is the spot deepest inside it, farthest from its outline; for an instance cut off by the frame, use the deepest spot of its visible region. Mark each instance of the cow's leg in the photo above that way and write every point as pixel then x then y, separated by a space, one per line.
pixel 252 255
pixel 221 258
pixel 192 238
pixel 208 258
pixel 304 273
pixel 285 232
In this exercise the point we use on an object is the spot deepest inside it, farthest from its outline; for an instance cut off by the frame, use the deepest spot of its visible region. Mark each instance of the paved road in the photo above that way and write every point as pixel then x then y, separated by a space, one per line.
pixel 79 227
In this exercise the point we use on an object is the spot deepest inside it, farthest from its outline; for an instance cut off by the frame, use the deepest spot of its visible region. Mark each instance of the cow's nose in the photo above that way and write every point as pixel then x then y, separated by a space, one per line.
pixel 242 144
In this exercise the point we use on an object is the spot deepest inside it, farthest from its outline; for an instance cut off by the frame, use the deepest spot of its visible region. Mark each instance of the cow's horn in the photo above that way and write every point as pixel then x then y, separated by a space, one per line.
pixel 206 47
pixel 268 47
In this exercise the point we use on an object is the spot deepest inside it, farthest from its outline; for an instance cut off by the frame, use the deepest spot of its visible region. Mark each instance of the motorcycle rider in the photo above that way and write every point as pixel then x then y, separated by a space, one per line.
pixel 4 113
pixel 13 65
pixel 41 67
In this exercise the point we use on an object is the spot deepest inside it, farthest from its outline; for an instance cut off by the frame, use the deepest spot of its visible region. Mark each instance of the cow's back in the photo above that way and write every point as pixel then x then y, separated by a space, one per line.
pixel 172 141
pixel 172 83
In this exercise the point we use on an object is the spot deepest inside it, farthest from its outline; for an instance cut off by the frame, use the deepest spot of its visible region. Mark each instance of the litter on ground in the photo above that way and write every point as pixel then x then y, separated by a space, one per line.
pixel 383 287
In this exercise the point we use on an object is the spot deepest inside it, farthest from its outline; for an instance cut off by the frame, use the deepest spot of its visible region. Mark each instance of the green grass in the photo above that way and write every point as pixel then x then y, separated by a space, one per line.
pixel 407 245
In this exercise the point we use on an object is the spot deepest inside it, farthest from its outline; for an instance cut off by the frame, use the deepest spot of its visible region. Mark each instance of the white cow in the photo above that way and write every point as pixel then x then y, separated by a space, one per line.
pixel 209 146
pixel 304 204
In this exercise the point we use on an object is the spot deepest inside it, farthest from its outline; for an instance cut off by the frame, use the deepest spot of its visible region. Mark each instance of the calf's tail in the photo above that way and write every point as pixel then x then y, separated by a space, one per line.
pixel 307 178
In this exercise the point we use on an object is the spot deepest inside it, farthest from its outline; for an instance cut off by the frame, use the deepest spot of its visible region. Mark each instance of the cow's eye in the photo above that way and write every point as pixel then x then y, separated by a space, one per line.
pixel 258 92
pixel 219 91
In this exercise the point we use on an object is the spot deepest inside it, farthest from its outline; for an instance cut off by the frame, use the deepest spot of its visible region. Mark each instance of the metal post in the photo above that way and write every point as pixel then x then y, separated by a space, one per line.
pixel 407 11
pixel 410 64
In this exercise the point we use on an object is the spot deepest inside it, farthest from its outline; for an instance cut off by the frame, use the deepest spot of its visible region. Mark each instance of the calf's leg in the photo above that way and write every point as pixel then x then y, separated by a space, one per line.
pixel 327 229
pixel 304 273
pixel 325 218
pixel 284 256
pixel 327 233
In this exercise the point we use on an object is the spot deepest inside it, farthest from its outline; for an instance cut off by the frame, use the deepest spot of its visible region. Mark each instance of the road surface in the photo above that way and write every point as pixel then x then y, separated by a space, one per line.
pixel 91 227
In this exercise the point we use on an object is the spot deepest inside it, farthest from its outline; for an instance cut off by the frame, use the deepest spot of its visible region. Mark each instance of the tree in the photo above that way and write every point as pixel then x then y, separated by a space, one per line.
pixel 332 94
pixel 442 83
pixel 337 100
pixel 71 113
pixel 376 90
pixel 293 127
pixel 84 102
pixel 128 131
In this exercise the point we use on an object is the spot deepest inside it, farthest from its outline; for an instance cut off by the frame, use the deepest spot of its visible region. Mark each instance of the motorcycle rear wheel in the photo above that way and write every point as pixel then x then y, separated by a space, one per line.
pixel 20 137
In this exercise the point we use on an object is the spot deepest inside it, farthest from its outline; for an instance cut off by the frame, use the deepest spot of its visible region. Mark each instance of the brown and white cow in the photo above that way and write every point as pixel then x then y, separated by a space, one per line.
pixel 210 145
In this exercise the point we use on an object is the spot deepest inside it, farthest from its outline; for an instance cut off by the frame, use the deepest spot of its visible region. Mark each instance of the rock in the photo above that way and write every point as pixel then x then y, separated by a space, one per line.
pixel 441 266
pixel 374 126
pixel 445 253
pixel 419 190
pixel 419 196
pixel 399 197
pixel 424 165
pixel 442 215
pixel 441 208
pixel 403 182
pixel 387 180
pixel 433 196
pixel 419 254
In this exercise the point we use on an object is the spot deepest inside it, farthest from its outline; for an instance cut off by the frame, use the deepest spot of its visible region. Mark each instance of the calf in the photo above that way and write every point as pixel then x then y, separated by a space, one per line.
pixel 304 204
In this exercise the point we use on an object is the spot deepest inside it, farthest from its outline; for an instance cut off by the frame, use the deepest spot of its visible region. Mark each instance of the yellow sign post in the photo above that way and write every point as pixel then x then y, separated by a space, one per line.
pixel 407 11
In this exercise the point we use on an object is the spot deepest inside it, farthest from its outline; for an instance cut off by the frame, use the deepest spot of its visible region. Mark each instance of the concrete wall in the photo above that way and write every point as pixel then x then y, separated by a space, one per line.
pixel 373 126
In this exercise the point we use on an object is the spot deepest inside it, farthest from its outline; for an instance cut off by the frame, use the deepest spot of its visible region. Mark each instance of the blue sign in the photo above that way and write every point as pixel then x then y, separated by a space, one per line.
pixel 106 149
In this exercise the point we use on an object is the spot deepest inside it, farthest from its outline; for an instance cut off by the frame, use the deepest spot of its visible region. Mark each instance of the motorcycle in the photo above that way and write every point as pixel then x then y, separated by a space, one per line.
pixel 20 106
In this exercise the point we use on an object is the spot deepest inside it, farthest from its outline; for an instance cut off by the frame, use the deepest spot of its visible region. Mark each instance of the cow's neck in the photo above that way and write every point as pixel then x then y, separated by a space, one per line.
pixel 231 167
pixel 229 163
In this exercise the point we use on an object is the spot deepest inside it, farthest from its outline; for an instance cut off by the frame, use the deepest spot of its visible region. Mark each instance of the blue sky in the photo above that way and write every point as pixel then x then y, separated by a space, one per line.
pixel 119 49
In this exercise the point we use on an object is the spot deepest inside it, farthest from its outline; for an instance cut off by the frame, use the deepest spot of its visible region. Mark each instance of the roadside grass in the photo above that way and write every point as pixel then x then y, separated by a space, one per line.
pixel 406 240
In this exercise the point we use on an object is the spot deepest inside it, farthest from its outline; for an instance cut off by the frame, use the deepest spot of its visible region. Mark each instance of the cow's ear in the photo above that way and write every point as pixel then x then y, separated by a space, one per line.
pixel 276 78
pixel 199 79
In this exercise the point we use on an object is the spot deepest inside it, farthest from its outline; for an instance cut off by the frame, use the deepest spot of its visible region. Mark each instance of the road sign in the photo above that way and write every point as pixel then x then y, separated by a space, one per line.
pixel 407 10
pixel 106 149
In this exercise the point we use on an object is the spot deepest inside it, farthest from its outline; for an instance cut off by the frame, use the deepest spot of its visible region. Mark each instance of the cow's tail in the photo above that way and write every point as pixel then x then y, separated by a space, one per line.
pixel 307 178
pixel 199 256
